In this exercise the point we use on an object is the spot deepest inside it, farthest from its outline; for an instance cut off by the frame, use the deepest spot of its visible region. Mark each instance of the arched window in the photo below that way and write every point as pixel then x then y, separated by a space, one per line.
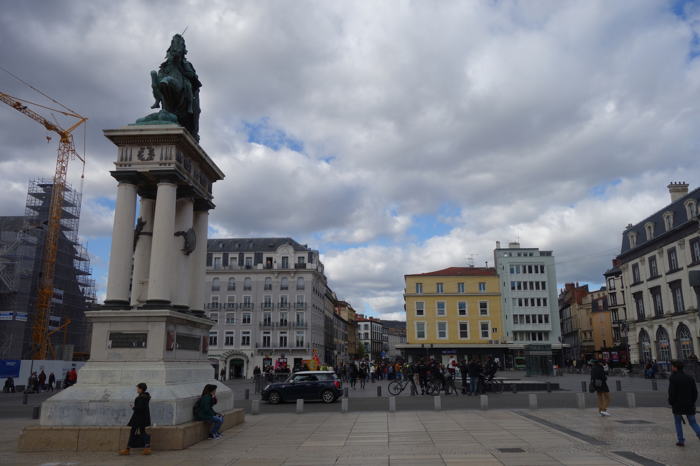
pixel 268 283
pixel 231 284
pixel 215 284
pixel 300 283
pixel 691 208
pixel 284 283
pixel 663 345
pixel 632 237
pixel 668 220
pixel 247 284
pixel 649 229
pixel 644 346
pixel 685 342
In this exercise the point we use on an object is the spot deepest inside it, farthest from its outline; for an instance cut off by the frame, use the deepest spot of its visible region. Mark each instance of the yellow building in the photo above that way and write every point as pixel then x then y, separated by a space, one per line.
pixel 453 313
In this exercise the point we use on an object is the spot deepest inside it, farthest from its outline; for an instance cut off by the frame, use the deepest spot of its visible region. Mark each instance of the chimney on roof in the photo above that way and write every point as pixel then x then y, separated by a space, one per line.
pixel 677 189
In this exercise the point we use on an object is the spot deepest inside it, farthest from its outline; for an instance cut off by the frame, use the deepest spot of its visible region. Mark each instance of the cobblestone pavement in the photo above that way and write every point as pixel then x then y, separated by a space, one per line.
pixel 458 437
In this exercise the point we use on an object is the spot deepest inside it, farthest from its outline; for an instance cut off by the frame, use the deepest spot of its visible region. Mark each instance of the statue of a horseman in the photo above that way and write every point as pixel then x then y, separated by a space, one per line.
pixel 176 89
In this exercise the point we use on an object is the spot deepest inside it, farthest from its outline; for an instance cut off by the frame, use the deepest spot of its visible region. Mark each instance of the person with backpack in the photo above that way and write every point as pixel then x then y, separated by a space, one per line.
pixel 682 395
pixel 204 411
pixel 140 419
pixel 599 385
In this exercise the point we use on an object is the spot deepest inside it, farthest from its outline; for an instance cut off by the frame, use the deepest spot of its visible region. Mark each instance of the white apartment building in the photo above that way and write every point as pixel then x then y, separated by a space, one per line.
pixel 529 292
pixel 267 299
pixel 660 264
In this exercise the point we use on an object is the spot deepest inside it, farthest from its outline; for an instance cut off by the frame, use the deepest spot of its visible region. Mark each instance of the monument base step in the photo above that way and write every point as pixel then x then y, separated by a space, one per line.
pixel 114 438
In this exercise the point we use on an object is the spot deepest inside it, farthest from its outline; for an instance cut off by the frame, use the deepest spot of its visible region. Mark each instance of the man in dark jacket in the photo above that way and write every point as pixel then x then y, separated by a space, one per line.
pixel 474 370
pixel 682 395
pixel 140 419
pixel 599 382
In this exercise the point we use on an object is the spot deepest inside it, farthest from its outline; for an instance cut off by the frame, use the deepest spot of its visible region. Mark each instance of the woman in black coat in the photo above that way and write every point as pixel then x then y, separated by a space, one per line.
pixel 140 419
pixel 682 395
pixel 599 384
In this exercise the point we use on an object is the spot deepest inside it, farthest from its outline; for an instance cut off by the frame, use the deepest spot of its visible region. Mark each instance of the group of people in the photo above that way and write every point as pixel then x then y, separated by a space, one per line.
pixel 203 410
pixel 421 373
pixel 40 382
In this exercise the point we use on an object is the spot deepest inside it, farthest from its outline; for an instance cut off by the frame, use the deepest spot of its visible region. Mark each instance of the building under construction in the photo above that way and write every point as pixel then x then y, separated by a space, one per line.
pixel 21 248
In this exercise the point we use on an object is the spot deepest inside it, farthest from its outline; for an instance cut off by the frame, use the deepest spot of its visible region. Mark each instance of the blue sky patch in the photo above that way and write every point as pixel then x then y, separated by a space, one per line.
pixel 264 133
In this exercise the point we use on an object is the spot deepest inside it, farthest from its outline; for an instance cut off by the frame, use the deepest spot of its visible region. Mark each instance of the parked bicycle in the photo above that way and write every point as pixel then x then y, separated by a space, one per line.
pixel 398 386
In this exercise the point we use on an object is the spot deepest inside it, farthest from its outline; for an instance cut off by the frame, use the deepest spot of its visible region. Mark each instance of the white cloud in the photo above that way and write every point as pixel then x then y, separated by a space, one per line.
pixel 514 115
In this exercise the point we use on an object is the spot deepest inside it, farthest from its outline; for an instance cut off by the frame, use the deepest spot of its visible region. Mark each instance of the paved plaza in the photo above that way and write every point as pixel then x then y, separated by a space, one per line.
pixel 459 437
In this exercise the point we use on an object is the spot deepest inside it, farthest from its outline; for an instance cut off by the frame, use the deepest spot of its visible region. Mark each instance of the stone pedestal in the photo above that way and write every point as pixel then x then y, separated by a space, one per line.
pixel 152 328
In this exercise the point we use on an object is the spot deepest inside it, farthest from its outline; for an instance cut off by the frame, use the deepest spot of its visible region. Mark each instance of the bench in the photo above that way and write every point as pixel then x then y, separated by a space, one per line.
pixel 113 438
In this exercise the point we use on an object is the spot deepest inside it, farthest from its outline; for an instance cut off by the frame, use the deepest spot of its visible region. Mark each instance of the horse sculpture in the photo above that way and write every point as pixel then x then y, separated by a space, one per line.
pixel 176 89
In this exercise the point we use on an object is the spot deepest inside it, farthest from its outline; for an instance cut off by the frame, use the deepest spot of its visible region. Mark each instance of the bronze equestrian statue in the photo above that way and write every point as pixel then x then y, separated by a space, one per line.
pixel 175 89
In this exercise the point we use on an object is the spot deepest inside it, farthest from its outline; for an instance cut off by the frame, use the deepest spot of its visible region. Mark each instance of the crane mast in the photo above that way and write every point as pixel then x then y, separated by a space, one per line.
pixel 66 150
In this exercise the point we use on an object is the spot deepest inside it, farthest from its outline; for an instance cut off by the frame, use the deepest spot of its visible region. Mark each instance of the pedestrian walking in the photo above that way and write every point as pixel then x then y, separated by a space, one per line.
pixel 204 411
pixel 463 372
pixel 42 381
pixel 52 381
pixel 599 385
pixel 682 396
pixel 140 419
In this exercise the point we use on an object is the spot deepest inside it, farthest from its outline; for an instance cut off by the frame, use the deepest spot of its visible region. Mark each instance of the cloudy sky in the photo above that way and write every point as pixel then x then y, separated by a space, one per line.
pixel 395 137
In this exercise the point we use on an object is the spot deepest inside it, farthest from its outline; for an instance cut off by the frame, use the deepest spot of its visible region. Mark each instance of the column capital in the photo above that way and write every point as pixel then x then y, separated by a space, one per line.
pixel 131 177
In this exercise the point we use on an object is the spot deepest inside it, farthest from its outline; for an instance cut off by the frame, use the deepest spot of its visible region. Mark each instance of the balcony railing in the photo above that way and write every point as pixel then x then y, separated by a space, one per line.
pixel 300 305
pixel 235 266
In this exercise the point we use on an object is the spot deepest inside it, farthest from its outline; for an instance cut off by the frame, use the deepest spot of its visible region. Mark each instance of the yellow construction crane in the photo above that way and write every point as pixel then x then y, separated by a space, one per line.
pixel 41 343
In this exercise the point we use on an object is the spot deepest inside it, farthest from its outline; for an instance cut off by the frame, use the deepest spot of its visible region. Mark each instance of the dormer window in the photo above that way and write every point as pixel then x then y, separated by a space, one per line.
pixel 668 220
pixel 649 229
pixel 632 237
pixel 691 208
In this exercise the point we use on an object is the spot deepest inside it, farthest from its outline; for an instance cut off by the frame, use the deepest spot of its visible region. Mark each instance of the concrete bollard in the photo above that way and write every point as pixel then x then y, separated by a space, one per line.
pixel 344 405
pixel 532 400
pixel 654 385
pixel 36 412
pixel 631 400
pixel 581 400
pixel 484 401
pixel 584 389
pixel 379 390
pixel 437 403
pixel 392 404
pixel 247 393
pixel 618 385
pixel 300 405
pixel 255 407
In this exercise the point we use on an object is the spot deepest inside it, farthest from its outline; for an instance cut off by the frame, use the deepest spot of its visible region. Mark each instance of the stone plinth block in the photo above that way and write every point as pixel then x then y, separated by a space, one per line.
pixel 165 349
pixel 93 438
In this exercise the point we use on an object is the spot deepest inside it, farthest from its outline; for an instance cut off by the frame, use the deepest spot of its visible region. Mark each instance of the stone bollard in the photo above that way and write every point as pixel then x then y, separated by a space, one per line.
pixel 532 400
pixel 346 392
pixel 255 407
pixel 392 404
pixel 581 400
pixel 379 390
pixel 300 405
pixel 654 385
pixel 631 400
pixel 247 393
pixel 584 389
pixel 484 401
pixel 437 403
pixel 344 405
pixel 618 385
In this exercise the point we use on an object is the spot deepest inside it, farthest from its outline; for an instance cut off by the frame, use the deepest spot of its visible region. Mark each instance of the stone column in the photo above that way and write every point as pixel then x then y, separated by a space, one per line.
pixel 183 223
pixel 160 272
pixel 122 245
pixel 198 263
pixel 142 253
